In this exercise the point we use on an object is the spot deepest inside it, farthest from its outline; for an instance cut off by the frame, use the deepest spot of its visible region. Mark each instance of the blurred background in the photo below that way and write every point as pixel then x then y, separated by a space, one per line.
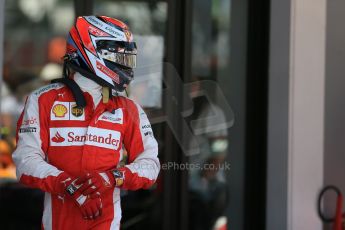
pixel 255 86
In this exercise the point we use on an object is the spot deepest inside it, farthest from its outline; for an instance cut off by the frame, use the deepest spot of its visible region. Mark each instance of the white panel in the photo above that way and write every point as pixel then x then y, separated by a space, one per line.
pixel 47 213
pixel 115 224
pixel 306 112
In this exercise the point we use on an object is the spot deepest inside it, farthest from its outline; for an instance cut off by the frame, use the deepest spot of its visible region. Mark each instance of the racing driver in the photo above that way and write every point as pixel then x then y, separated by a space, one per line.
pixel 72 133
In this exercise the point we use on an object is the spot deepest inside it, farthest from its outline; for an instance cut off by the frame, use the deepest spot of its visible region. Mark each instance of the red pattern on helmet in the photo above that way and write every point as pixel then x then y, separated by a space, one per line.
pixel 114 21
pixel 70 49
pixel 76 38
pixel 82 26
pixel 97 32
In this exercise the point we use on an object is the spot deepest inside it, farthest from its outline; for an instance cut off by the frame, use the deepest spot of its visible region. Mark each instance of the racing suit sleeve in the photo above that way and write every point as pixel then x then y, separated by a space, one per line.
pixel 32 143
pixel 142 149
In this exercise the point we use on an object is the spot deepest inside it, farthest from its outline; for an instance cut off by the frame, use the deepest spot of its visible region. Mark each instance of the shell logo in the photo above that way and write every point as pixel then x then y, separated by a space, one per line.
pixel 59 110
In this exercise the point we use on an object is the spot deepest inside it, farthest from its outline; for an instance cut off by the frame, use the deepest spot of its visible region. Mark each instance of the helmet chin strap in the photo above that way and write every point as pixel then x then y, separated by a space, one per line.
pixel 105 94
pixel 74 87
pixel 87 74
pixel 76 91
pixel 106 87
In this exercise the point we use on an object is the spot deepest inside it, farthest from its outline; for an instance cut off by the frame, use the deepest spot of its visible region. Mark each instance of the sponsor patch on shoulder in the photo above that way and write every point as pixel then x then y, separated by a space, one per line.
pixel 46 88
pixel 115 117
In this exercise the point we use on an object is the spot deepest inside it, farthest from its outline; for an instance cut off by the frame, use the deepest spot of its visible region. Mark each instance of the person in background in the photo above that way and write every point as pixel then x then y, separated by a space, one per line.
pixel 208 193
pixel 53 69
pixel 71 132
pixel 7 168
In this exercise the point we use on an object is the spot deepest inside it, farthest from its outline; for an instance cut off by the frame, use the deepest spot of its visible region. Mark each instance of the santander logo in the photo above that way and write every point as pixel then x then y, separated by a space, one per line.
pixel 79 136
pixel 58 138
pixel 88 138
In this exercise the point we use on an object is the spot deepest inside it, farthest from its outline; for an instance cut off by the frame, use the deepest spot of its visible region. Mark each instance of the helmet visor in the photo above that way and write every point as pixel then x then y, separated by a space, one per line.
pixel 122 53
pixel 127 60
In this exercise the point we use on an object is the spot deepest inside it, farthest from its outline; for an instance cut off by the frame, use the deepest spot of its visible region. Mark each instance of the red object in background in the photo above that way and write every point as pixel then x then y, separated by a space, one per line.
pixel 5 154
pixel 56 49
pixel 338 220
pixel 7 168
pixel 223 227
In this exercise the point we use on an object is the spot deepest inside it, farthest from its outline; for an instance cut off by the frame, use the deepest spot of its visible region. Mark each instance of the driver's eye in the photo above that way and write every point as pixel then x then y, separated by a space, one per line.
pixel 112 49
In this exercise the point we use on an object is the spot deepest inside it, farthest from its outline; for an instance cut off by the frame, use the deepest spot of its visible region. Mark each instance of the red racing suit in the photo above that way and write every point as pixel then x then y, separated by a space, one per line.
pixel 55 136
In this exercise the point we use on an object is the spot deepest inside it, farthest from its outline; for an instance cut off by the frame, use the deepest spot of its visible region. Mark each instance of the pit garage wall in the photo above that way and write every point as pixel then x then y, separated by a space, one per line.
pixel 334 161
pixel 2 24
pixel 296 113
